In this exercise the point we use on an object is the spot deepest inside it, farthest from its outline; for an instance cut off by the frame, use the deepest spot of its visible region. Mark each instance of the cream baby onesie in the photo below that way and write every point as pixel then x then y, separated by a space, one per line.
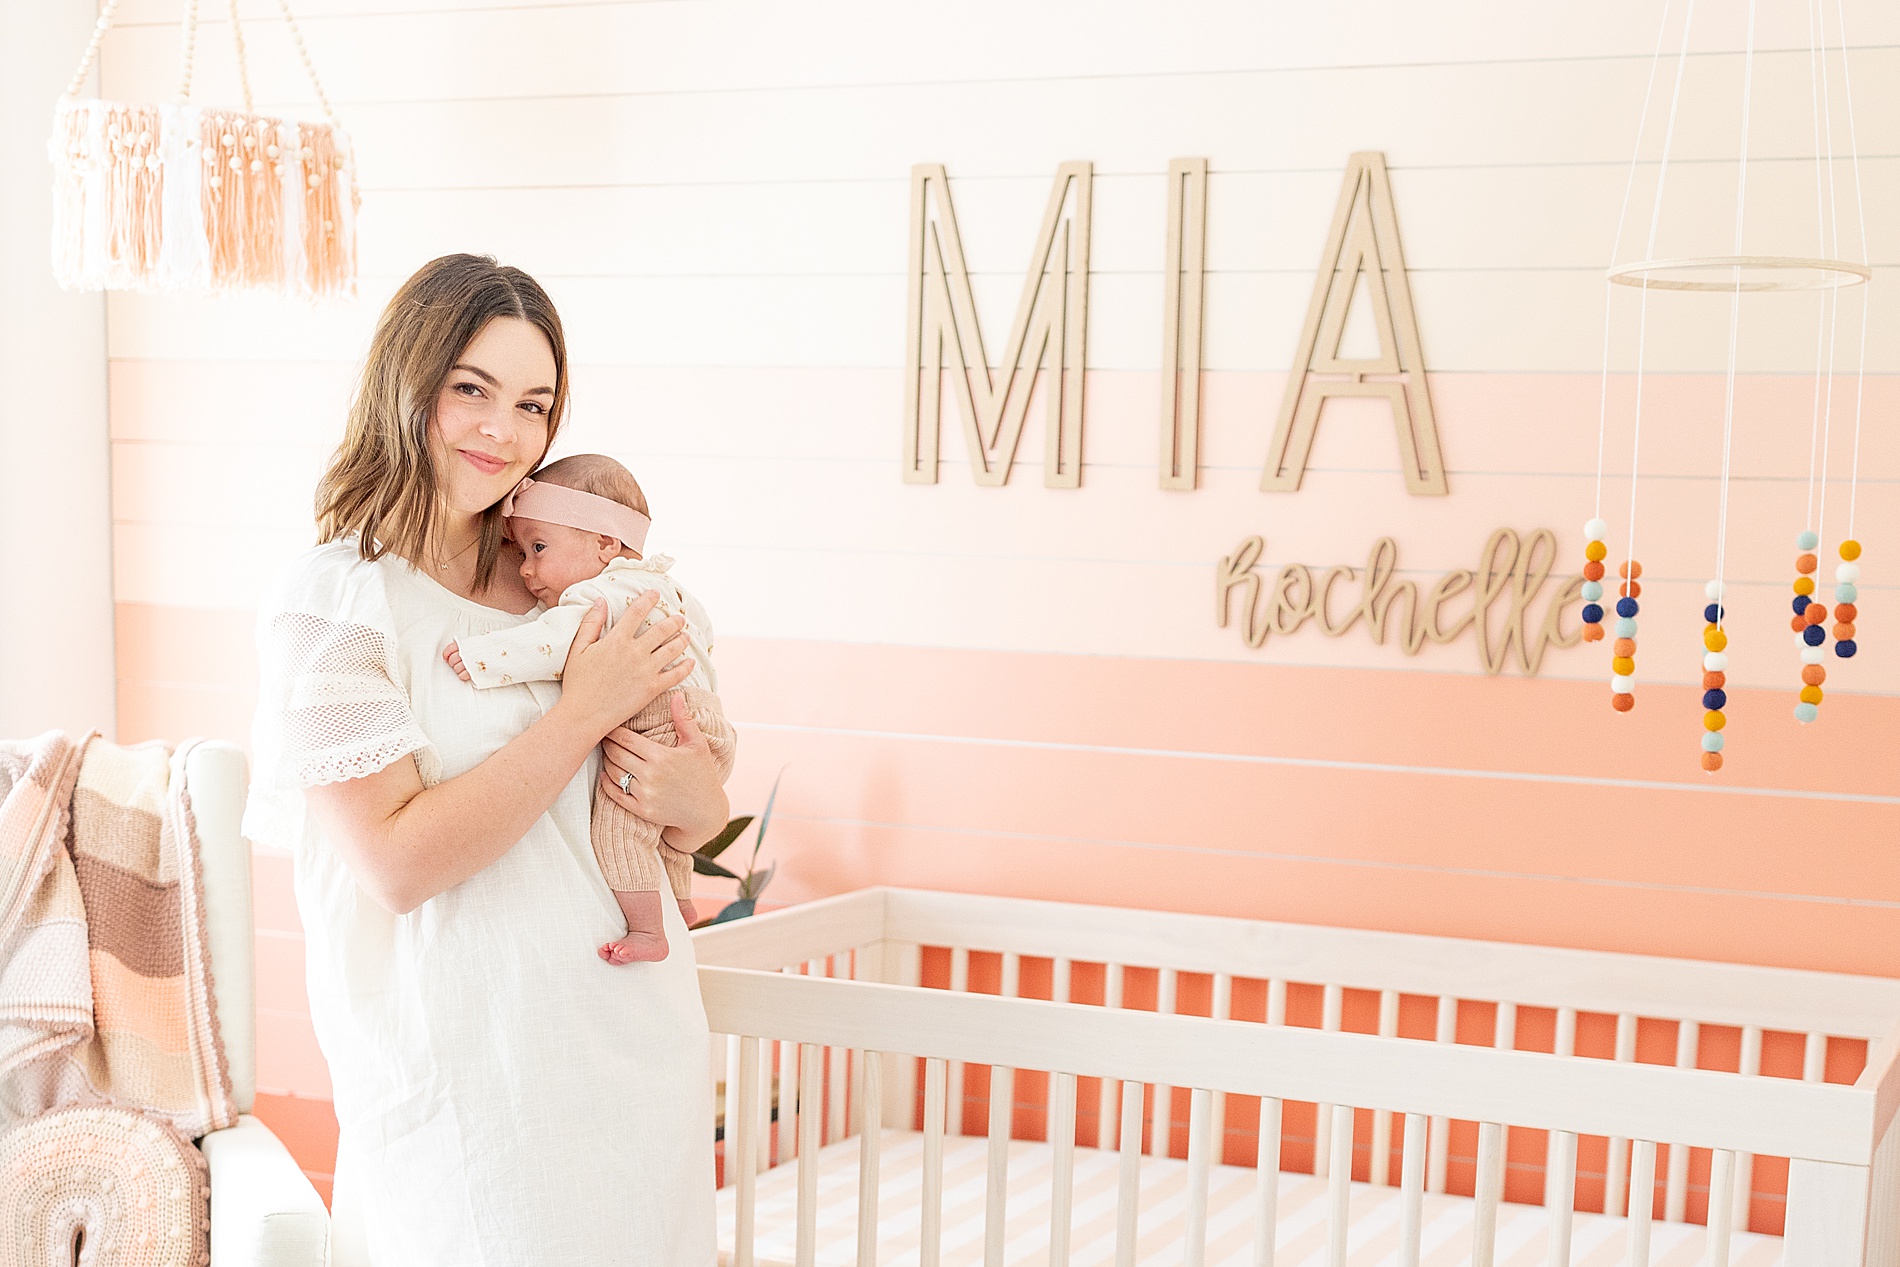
pixel 633 856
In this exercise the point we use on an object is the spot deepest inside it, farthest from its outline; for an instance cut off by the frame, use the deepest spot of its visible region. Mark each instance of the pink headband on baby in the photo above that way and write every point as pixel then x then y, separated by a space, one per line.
pixel 571 508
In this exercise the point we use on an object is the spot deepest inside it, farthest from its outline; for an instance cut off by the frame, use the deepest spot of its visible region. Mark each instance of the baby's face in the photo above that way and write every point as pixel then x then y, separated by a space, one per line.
pixel 554 556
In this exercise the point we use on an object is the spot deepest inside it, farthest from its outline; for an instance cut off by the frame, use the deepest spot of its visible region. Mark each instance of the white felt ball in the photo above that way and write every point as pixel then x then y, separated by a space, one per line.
pixel 1847 573
pixel 1715 661
pixel 1813 655
pixel 1713 589
pixel 1596 530
pixel 1622 683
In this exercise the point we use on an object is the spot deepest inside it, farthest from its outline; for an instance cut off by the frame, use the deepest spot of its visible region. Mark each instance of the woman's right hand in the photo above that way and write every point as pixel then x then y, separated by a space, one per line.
pixel 612 677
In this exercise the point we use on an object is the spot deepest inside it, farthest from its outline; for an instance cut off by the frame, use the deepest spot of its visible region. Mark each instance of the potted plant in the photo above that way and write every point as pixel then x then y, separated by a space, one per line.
pixel 753 882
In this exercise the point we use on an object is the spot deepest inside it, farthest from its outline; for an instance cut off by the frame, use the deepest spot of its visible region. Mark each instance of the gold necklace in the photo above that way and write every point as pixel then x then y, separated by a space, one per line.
pixel 443 566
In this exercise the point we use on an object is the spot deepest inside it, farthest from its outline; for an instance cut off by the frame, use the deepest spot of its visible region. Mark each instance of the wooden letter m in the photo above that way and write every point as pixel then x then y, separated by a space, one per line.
pixel 1050 333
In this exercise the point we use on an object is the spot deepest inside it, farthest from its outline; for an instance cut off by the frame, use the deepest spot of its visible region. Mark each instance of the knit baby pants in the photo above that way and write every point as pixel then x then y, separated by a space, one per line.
pixel 632 856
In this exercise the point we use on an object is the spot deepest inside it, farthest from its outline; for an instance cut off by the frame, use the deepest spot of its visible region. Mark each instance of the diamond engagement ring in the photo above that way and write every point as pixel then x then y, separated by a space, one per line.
pixel 625 779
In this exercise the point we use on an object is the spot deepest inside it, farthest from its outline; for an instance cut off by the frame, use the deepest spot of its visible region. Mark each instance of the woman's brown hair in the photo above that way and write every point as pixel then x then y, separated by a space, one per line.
pixel 382 483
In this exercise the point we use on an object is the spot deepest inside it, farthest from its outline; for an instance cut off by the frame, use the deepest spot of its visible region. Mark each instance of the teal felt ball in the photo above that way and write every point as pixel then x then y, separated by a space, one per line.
pixel 1712 741
pixel 1807 541
pixel 1592 591
pixel 1626 628
pixel 1805 713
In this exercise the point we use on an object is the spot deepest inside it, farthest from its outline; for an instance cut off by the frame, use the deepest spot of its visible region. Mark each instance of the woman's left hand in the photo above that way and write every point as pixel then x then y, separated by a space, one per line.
pixel 678 787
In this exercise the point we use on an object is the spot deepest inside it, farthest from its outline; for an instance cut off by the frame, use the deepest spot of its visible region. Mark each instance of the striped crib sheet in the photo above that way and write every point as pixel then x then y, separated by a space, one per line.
pixel 1522 1235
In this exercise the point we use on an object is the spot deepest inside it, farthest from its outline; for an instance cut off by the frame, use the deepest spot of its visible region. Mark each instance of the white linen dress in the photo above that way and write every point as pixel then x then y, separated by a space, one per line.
pixel 505 1097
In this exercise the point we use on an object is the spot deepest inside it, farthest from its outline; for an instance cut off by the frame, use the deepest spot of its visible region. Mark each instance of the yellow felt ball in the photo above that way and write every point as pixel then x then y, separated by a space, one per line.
pixel 1713 720
pixel 1810 695
pixel 1714 639
pixel 1595 551
pixel 1850 549
pixel 1624 665
pixel 1804 585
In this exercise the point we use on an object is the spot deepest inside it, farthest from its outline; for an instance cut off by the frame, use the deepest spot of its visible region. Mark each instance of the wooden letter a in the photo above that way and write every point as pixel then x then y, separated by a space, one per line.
pixel 1050 333
pixel 1364 242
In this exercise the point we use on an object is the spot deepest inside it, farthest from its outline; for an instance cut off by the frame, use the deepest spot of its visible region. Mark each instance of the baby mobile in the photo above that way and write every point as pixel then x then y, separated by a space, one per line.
pixel 179 197
pixel 1735 275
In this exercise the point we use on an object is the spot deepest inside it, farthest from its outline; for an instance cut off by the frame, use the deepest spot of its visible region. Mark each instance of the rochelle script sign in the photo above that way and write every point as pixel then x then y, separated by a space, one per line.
pixel 1048 339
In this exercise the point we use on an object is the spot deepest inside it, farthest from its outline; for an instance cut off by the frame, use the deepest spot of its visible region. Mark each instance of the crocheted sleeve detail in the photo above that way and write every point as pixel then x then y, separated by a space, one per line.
pixel 331 702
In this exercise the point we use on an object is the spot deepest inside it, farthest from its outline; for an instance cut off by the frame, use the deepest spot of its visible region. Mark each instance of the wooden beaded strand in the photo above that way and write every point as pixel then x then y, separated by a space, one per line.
pixel 1714 678
pixel 1808 630
pixel 1623 662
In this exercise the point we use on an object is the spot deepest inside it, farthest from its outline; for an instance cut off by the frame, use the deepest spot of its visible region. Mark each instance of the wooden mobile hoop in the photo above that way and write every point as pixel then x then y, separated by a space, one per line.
pixel 179 197
pixel 1736 274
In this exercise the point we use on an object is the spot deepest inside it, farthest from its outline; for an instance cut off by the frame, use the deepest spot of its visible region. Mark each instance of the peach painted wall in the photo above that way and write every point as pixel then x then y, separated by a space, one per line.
pixel 1023 690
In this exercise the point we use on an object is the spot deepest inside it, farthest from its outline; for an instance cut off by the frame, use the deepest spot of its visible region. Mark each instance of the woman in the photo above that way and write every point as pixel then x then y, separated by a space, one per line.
pixel 505 1097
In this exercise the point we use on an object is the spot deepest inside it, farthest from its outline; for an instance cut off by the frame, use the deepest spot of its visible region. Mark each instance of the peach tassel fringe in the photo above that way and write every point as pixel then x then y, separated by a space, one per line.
pixel 178 198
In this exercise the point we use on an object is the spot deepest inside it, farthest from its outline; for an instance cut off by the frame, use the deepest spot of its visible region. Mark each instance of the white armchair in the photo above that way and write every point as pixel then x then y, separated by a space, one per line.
pixel 264 1213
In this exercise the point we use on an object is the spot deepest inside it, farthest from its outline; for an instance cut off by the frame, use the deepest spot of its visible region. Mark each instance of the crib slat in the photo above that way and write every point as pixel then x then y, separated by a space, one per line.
pixel 1438 1156
pixel 1745 1162
pixel 1721 1205
pixel 1161 1130
pixel 730 1113
pixel 1566 1045
pixel 1331 1013
pixel 1814 1059
pixel 1200 1147
pixel 767 1107
pixel 959 984
pixel 1615 1192
pixel 811 1066
pixel 1128 1187
pixel 870 1142
pixel 996 1194
pixel 1412 1189
pixel 1105 1105
pixel 746 1148
pixel 1276 1002
pixel 1339 1187
pixel 902 965
pixel 1676 1190
pixel 791 1085
pixel 1382 1118
pixel 1266 1219
pixel 859 968
pixel 1560 1194
pixel 1059 974
pixel 835 1060
pixel 930 1225
pixel 1642 1200
pixel 1504 1038
pixel 1223 1010
pixel 1490 1179
pixel 1062 1167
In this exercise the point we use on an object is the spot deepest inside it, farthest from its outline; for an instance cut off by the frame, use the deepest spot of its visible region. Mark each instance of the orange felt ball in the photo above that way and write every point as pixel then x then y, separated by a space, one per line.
pixel 1630 589
pixel 1798 623
pixel 1624 647
pixel 1846 611
pixel 1806 564
pixel 1813 674
pixel 1843 631
pixel 1814 613
pixel 1711 761
pixel 1804 585
pixel 1593 570
pixel 1630 570
pixel 1596 551
pixel 1850 549
pixel 1593 633
pixel 1622 703
pixel 1713 681
pixel 1810 695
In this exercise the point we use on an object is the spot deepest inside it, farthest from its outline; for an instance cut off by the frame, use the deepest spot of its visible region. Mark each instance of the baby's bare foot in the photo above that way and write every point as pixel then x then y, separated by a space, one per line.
pixel 645 941
pixel 635 948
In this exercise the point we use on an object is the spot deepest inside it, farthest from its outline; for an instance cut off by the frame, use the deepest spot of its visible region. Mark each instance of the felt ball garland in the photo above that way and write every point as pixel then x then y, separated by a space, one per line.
pixel 1810 633
pixel 1714 678
pixel 1594 551
pixel 1846 594
pixel 1623 663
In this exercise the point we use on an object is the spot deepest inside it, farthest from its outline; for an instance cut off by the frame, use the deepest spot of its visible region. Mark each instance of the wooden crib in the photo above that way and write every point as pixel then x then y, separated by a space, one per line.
pixel 932 1078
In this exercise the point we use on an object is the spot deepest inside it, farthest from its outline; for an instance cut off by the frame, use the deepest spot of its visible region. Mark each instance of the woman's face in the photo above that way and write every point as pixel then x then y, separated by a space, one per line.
pixel 491 418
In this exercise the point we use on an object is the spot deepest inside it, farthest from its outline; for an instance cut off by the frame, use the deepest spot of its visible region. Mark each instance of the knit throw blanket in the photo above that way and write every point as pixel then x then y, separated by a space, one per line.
pixel 105 982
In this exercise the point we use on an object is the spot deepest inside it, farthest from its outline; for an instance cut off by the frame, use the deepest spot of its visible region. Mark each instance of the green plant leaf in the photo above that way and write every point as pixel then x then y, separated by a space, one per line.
pixel 753 886
pixel 765 819
pixel 702 865
pixel 727 834
pixel 734 910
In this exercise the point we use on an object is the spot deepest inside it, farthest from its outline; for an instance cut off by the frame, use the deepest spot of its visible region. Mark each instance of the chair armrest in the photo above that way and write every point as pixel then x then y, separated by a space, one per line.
pixel 264 1213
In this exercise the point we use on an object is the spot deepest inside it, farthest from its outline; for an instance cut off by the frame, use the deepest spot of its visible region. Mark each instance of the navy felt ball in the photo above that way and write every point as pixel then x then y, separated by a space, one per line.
pixel 1713 613
pixel 1814 635
pixel 1714 699
pixel 1592 614
pixel 1801 602
pixel 1626 607
pixel 1845 648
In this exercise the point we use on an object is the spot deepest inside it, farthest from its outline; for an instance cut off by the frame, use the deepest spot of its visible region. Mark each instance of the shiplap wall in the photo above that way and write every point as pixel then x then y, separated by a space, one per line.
pixel 1022 690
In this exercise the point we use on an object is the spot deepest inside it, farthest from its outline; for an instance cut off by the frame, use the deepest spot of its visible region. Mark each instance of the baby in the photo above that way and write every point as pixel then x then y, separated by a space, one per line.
pixel 580 523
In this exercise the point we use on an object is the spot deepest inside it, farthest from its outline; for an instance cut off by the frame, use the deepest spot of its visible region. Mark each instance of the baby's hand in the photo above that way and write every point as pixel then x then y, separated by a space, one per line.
pixel 453 654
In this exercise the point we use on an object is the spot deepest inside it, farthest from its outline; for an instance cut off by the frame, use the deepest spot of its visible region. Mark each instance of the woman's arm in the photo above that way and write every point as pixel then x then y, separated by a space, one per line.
pixel 405 843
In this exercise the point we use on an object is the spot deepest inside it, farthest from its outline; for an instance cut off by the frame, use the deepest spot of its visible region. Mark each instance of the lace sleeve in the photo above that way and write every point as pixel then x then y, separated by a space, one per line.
pixel 331 705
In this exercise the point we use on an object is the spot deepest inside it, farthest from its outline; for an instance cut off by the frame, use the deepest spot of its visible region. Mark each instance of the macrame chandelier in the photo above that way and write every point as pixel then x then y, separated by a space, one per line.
pixel 179 197
pixel 1827 271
